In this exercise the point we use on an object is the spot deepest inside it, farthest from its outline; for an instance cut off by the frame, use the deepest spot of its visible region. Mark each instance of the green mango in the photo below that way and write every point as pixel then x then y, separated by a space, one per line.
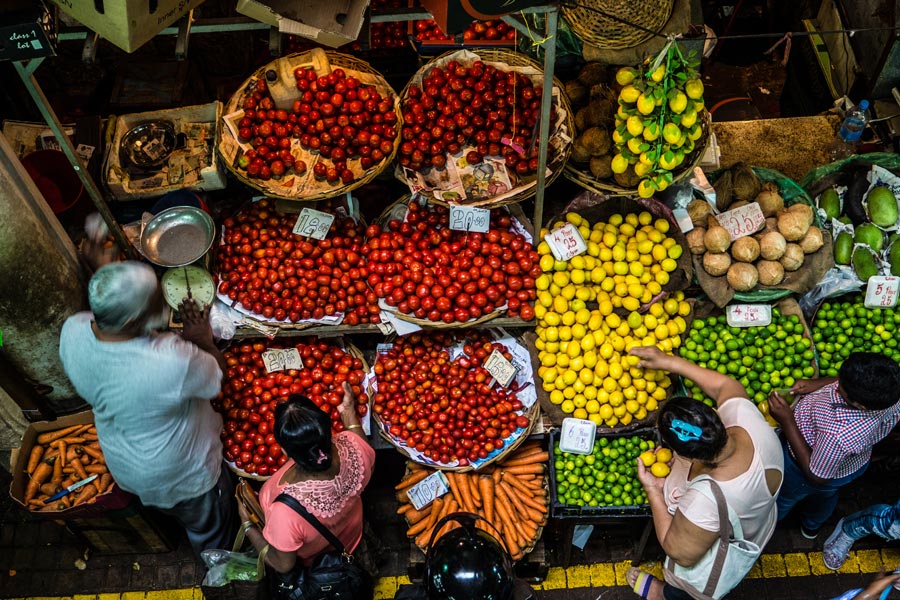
pixel 845 219
pixel 882 206
pixel 830 203
pixel 869 235
pixel 894 259
pixel 864 264
pixel 843 248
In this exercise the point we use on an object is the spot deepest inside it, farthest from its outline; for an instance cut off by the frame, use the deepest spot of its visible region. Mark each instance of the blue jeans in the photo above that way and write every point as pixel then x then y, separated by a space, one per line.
pixel 817 501
pixel 881 519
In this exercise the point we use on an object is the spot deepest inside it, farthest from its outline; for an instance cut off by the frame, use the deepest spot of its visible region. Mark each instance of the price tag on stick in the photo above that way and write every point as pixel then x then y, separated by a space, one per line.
pixel 282 359
pixel 881 291
pixel 565 242
pixel 742 221
pixel 470 218
pixel 748 315
pixel 423 493
pixel 500 369
pixel 313 223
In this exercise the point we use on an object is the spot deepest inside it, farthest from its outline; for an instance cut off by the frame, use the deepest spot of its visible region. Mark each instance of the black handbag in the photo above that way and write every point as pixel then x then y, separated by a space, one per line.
pixel 333 575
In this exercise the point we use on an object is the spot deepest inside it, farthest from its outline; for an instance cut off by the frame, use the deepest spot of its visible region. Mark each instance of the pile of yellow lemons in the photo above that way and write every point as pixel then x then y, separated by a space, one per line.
pixel 583 352
pixel 657 122
pixel 657 461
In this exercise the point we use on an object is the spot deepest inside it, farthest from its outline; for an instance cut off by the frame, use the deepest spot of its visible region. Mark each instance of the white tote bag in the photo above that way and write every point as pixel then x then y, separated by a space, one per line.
pixel 725 564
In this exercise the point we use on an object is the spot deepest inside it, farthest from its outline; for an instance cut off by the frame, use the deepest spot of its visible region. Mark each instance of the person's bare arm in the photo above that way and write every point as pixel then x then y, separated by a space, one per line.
pixel 197 329
pixel 783 414
pixel 347 410
pixel 717 386
pixel 278 560
pixel 808 386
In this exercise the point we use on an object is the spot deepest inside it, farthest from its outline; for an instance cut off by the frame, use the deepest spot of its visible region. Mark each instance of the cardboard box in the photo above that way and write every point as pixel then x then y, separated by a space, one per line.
pixel 27 30
pixel 129 24
pixel 115 499
pixel 332 23
pixel 182 171
pixel 453 16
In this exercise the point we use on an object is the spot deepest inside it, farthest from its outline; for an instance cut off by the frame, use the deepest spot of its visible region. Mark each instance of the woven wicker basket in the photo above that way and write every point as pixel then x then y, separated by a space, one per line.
pixel 609 187
pixel 558 158
pixel 305 187
pixel 605 23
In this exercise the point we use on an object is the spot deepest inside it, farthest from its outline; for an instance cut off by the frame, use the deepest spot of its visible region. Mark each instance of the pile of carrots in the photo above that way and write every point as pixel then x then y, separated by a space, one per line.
pixel 59 459
pixel 512 495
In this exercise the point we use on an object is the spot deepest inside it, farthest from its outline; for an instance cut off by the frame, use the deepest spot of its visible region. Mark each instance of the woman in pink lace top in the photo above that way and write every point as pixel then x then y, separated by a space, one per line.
pixel 325 474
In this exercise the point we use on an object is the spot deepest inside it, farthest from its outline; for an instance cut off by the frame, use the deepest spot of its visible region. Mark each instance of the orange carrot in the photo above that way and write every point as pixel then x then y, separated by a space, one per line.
pixel 404 508
pixel 52 436
pixel 106 482
pixel 72 440
pixel 95 468
pixel 86 493
pixel 93 453
pixel 421 526
pixel 50 488
pixel 513 499
pixel 414 516
pixel 34 459
pixel 98 484
pixel 449 506
pixel 454 487
pixel 79 468
pixel 473 485
pixel 531 459
pixel 524 469
pixel 496 475
pixel 61 445
pixel 411 479
pixel 57 476
pixel 486 486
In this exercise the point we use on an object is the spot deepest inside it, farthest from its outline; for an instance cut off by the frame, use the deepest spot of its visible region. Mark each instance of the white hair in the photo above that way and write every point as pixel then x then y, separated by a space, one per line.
pixel 121 293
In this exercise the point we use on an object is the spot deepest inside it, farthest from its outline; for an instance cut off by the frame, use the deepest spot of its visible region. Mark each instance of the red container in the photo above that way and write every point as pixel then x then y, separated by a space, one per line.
pixel 55 178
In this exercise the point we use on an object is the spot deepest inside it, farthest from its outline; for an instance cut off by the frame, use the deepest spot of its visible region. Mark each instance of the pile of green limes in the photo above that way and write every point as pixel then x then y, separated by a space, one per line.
pixel 843 326
pixel 761 358
pixel 605 477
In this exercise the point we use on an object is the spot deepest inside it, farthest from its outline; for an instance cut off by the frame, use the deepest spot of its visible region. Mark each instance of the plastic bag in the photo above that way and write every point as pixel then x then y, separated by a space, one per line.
pixel 223 320
pixel 225 566
pixel 836 282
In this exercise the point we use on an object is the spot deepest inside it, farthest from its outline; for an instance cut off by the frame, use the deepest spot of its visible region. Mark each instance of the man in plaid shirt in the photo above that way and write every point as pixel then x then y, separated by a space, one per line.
pixel 828 437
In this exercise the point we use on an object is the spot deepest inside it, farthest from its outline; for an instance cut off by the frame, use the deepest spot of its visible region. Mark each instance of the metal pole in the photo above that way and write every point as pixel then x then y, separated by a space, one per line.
pixel 546 97
pixel 26 73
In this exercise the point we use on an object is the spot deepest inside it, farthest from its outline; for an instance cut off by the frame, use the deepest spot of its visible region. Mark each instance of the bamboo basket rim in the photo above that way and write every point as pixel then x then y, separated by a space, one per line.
pixel 588 182
pixel 337 59
pixel 511 58
pixel 616 35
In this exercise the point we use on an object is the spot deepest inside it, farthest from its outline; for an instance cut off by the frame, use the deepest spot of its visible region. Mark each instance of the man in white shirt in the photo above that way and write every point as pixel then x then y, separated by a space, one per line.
pixel 150 394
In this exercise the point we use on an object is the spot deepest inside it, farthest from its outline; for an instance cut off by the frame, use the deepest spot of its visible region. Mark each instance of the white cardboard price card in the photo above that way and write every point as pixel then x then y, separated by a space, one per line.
pixel 742 221
pixel 577 436
pixel 500 369
pixel 313 223
pixel 748 315
pixel 470 218
pixel 424 493
pixel 881 291
pixel 282 359
pixel 566 242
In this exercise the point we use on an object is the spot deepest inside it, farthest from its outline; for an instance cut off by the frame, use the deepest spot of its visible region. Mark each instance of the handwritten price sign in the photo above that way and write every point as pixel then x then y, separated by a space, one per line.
pixel 282 360
pixel 881 291
pixel 577 436
pixel 748 315
pixel 423 493
pixel 500 369
pixel 742 221
pixel 565 242
pixel 313 223
pixel 469 218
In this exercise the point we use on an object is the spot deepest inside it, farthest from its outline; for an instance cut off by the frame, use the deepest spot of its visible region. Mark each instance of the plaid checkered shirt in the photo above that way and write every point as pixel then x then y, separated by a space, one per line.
pixel 840 436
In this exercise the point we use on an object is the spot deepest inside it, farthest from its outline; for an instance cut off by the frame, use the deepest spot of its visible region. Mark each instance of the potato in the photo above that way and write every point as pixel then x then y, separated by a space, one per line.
pixel 596 140
pixel 601 166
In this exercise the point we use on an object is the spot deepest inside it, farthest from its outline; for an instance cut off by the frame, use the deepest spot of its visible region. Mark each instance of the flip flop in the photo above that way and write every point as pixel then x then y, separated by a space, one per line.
pixel 643 583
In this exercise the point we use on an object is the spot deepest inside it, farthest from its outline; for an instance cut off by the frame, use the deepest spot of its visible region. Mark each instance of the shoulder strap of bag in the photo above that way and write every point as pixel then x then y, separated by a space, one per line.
pixel 725 534
pixel 301 510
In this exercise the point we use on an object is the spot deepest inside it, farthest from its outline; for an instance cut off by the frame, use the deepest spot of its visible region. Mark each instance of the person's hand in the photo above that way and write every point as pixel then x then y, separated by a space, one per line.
pixel 651 357
pixel 243 512
pixel 778 408
pixel 649 480
pixel 804 386
pixel 348 403
pixel 881 583
pixel 196 323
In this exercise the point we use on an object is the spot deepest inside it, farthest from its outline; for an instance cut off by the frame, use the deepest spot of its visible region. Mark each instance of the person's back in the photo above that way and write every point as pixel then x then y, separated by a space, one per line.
pixel 150 396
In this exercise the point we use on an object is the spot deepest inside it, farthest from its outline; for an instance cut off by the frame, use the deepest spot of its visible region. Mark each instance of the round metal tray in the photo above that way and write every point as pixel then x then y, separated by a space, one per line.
pixel 177 236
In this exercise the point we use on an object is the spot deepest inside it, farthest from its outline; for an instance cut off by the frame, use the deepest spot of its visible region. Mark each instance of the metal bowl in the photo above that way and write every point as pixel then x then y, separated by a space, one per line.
pixel 148 145
pixel 178 236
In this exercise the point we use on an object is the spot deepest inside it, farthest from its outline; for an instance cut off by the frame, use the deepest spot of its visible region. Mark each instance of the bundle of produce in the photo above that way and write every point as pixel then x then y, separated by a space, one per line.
pixel 435 400
pixel 659 130
pixel 607 477
pixel 428 273
pixel 469 131
pixel 511 494
pixel 275 275
pixel 761 358
pixel 844 325
pixel 250 394
pixel 736 256
pixel 310 126
pixel 61 458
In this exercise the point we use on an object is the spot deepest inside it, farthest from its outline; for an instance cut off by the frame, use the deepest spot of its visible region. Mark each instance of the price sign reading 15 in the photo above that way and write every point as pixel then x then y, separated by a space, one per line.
pixel 469 218
pixel 742 221
pixel 313 223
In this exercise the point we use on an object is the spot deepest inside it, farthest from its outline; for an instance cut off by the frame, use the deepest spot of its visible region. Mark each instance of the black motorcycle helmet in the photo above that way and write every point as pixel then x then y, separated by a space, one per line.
pixel 467 563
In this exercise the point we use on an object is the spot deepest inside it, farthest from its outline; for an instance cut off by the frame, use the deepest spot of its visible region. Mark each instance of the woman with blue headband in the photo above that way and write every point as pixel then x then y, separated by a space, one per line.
pixel 720 493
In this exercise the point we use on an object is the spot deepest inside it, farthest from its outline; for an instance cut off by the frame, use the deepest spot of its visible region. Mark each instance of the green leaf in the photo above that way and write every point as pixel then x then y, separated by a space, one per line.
pixel 621 129
pixel 668 177
pixel 669 155
pixel 644 147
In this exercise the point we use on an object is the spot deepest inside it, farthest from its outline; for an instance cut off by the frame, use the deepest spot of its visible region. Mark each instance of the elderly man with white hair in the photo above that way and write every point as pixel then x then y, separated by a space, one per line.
pixel 150 393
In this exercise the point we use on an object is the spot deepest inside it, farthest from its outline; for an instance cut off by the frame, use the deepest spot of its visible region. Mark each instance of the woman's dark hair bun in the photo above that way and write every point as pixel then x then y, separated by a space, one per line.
pixel 303 431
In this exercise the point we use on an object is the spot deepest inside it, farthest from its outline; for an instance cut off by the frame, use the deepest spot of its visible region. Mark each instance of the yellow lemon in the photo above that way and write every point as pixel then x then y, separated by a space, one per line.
pixel 671 133
pixel 669 264
pixel 629 94
pixel 645 104
pixel 668 160
pixel 695 132
pixel 650 132
pixel 617 137
pixel 648 458
pixel 625 75
pixel 567 406
pixel 689 117
pixel 634 125
pixel 645 189
pixel 694 89
pixel 546 263
pixel 675 252
pixel 658 73
pixel 678 102
pixel 619 164
pixel 574 218
pixel 663 455
pixel 659 469
pixel 642 168
pixel 634 145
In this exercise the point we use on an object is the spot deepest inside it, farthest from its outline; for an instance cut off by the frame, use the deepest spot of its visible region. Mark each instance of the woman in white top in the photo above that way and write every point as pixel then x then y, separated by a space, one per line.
pixel 734 446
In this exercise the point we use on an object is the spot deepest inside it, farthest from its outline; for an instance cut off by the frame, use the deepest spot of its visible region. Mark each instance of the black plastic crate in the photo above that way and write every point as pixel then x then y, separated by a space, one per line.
pixel 568 511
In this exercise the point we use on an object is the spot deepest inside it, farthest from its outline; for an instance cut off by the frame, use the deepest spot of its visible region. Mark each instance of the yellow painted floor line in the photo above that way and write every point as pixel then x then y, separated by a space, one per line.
pixel 599 575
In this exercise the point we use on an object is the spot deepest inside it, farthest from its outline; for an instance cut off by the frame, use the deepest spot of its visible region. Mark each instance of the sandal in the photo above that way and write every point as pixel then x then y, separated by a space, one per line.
pixel 641 582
